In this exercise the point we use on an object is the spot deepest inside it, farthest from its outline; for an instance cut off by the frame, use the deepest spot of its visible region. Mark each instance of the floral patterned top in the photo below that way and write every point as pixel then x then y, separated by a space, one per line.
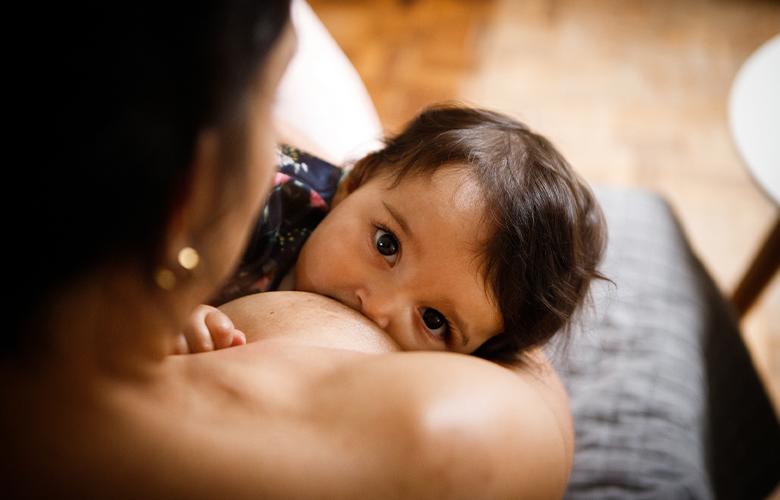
pixel 303 190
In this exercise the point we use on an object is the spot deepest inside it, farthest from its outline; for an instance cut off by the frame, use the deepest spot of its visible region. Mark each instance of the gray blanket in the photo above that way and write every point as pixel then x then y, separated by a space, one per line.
pixel 665 399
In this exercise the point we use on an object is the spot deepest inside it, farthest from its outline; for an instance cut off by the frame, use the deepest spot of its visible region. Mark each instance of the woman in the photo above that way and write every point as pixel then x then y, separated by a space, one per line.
pixel 162 153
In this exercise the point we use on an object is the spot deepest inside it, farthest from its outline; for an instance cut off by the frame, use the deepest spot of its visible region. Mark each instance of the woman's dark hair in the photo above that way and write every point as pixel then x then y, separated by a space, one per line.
pixel 112 99
pixel 548 233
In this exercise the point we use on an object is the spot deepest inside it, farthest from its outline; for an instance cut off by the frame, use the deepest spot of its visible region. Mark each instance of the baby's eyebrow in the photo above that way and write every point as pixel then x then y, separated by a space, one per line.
pixel 400 219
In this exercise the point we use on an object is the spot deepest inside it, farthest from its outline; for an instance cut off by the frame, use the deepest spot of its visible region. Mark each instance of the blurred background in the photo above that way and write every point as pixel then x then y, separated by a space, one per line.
pixel 633 93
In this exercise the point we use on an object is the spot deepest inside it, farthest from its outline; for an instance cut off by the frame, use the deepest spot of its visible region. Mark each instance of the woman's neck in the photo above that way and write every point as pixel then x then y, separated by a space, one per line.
pixel 111 324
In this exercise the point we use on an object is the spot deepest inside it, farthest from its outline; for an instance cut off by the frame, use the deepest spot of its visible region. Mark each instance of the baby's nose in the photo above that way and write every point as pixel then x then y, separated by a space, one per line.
pixel 373 308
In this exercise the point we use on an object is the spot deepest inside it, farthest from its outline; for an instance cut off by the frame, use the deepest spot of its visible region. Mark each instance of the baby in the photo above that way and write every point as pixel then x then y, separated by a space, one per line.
pixel 467 233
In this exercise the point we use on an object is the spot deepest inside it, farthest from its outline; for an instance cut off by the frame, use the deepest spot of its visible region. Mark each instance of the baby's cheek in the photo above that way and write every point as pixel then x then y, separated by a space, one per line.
pixel 329 258
pixel 301 273
pixel 310 269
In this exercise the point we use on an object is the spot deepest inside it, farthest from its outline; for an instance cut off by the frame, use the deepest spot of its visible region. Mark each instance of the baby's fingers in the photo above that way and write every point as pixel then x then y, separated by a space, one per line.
pixel 223 332
pixel 196 332
pixel 181 347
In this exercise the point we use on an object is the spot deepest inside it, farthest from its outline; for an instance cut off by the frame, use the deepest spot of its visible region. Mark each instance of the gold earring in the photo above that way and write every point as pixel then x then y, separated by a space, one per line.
pixel 188 258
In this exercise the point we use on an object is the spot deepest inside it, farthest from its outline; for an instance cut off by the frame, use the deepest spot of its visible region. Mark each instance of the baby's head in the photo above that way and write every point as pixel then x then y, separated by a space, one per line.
pixel 467 232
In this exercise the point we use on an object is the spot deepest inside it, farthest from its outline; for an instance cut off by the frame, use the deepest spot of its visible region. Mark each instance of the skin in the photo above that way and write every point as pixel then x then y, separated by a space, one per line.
pixel 431 225
pixel 317 403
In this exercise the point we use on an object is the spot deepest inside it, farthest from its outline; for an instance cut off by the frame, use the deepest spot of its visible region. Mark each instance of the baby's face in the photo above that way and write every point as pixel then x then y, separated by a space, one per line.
pixel 407 258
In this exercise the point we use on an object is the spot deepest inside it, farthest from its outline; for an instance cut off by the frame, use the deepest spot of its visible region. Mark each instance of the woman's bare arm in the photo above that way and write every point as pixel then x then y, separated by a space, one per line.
pixel 288 133
pixel 416 423
pixel 461 428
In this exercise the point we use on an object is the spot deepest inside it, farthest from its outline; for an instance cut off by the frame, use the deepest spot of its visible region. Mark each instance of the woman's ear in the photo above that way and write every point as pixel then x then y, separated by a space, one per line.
pixel 198 196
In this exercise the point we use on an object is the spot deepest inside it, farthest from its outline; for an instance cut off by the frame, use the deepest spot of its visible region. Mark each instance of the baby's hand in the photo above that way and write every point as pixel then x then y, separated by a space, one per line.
pixel 208 329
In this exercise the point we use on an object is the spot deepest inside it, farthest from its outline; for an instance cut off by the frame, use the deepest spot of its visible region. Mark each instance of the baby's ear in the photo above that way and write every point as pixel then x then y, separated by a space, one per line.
pixel 351 181
pixel 341 192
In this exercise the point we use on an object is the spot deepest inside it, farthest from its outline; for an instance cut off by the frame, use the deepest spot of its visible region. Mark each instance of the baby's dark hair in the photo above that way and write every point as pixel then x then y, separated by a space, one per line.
pixel 549 231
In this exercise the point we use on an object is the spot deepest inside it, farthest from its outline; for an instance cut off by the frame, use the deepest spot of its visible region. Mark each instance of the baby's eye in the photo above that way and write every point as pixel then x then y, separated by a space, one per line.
pixel 436 323
pixel 386 244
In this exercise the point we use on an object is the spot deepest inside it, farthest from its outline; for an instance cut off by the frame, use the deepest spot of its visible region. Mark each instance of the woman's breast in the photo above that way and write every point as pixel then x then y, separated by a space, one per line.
pixel 300 318
pixel 295 341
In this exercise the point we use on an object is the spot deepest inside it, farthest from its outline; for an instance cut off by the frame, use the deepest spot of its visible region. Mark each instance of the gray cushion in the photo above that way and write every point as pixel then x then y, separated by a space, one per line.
pixel 665 399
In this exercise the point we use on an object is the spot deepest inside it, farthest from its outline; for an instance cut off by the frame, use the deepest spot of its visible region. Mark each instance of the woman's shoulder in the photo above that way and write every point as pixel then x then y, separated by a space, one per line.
pixel 475 426
pixel 479 418
pixel 436 424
